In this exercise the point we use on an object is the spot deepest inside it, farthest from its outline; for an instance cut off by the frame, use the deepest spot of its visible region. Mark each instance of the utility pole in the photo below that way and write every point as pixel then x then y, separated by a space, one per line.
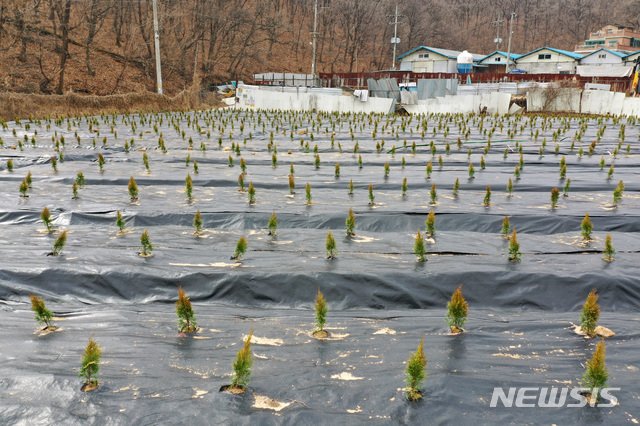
pixel 513 15
pixel 315 37
pixel 157 40
pixel 395 40
pixel 498 24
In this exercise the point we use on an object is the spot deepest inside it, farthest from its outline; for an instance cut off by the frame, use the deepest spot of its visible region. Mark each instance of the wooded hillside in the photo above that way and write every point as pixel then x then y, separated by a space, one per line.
pixel 107 46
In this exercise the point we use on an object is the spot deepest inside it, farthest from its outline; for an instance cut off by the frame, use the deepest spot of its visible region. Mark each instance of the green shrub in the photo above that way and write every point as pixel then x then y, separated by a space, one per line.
pixel 273 224
pixel 43 315
pixel 506 227
pixel 418 247
pixel 608 249
pixel 596 376
pixel 457 311
pixel 321 313
pixel 330 246
pixel 188 184
pixel 617 193
pixel 242 365
pixel 587 227
pixel 307 191
pixel 514 247
pixel 555 194
pixel 590 314
pixel 456 186
pixel 186 316
pixel 197 222
pixel 251 192
pixel 487 197
pixel 24 187
pixel 416 373
pixel 91 365
pixel 431 223
pixel 120 223
pixel 133 189
pixel 45 216
pixel 145 243
pixel 241 248
pixel 351 224
pixel 433 194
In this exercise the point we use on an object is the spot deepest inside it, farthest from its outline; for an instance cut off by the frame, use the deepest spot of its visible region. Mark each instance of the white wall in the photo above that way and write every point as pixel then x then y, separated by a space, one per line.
pixel 595 59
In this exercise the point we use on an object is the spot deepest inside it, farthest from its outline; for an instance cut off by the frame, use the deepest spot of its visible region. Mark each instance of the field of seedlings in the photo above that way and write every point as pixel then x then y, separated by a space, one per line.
pixel 258 215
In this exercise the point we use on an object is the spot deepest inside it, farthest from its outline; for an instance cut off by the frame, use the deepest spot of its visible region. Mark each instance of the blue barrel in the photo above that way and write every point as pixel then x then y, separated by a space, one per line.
pixel 465 68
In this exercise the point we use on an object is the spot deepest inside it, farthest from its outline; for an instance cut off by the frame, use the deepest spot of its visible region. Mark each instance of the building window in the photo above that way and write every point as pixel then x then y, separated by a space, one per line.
pixel 602 56
pixel 498 59
pixel 544 56
pixel 565 72
pixel 423 56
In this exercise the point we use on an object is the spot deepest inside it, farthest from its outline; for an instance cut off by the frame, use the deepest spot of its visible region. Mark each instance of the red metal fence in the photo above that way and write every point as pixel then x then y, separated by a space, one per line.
pixel 359 80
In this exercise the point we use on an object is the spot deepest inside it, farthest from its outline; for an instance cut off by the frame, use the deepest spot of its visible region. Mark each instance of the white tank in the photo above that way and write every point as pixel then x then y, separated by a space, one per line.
pixel 465 58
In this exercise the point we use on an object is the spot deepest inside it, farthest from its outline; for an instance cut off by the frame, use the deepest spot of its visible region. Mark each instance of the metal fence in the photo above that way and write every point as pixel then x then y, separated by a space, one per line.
pixel 359 80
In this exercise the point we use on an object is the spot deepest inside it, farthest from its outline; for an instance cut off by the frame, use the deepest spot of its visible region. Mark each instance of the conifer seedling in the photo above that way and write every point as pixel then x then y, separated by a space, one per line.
pixel 416 373
pixel 617 193
pixel 307 191
pixel 273 224
pixel 433 194
pixel 251 192
pixel 145 160
pixel 516 173
pixel 43 315
pixel 330 246
pixel 29 179
pixel 145 243
pixel 337 171
pixel 359 161
pixel 514 247
pixel 386 170
pixel 456 187
pixel 292 184
pixel 80 180
pixel 350 187
pixel 586 226
pixel 429 169
pixel 101 162
pixel 404 187
pixel 90 365
pixel 566 187
pixel 483 165
pixel 602 163
pixel 45 216
pixel 74 188
pixel 230 161
pixel 197 222
pixel 608 251
pixel 321 316
pixel 10 165
pixel 418 247
pixel 241 248
pixel 596 376
pixel 242 366
pixel 59 243
pixel 186 316
pixel 316 161
pixel 555 194
pixel 243 164
pixel 371 196
pixel 563 172
pixel 431 223
pixel 241 182
pixel 590 314
pixel 188 184
pixel 133 189
pixel 487 197
pixel 24 187
pixel 472 171
pixel 54 164
pixel 610 172
pixel 506 227
pixel 351 224
pixel 457 311
pixel 195 167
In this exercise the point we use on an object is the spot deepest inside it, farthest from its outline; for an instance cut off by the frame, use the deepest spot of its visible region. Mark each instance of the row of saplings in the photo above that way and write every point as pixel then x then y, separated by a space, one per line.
pixel 330 245
pixel 595 376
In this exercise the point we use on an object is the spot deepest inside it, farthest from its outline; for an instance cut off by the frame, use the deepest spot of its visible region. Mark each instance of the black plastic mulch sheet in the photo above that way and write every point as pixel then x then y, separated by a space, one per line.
pixel 381 300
